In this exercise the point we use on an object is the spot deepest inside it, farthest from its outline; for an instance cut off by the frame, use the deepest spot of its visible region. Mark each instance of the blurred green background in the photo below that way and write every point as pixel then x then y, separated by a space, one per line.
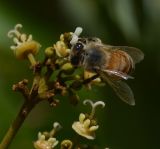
pixel 117 22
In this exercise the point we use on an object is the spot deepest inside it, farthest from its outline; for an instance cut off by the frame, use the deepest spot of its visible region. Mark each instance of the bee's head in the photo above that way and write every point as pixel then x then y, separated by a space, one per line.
pixel 76 53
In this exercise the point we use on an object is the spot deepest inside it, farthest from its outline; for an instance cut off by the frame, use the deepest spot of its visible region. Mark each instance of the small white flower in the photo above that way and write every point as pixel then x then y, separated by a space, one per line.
pixel 48 142
pixel 24 46
pixel 84 126
pixel 61 49
pixel 42 143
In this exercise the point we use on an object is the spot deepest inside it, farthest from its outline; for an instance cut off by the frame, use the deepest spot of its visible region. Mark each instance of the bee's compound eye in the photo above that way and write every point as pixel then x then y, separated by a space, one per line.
pixel 78 46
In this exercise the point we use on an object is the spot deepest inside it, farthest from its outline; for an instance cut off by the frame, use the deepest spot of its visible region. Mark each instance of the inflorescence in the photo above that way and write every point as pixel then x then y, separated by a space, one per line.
pixel 44 87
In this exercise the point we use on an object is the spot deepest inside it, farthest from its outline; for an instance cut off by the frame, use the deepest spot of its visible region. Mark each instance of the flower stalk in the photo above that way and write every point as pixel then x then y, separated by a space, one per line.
pixel 31 59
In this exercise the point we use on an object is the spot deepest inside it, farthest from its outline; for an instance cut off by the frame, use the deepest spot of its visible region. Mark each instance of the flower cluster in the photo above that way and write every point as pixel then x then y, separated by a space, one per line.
pixel 85 127
pixel 45 87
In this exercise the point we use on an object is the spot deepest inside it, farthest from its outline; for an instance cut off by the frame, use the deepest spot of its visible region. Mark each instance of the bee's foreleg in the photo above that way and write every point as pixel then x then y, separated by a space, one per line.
pixel 86 81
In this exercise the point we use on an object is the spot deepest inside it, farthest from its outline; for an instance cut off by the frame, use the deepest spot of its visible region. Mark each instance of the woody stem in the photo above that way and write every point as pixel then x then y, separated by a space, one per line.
pixel 17 123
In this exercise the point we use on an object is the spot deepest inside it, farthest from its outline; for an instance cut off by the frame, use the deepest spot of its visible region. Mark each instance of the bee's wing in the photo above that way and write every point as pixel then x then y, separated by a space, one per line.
pixel 122 90
pixel 118 73
pixel 136 54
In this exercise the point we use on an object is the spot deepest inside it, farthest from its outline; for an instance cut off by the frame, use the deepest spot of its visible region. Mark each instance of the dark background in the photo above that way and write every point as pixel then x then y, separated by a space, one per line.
pixel 117 22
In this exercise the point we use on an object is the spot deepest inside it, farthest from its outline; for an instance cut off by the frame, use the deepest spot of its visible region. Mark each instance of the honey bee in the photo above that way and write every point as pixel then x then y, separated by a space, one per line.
pixel 113 64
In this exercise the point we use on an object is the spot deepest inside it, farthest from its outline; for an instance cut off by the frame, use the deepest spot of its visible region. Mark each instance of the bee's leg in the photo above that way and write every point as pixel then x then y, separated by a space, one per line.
pixel 96 69
pixel 90 79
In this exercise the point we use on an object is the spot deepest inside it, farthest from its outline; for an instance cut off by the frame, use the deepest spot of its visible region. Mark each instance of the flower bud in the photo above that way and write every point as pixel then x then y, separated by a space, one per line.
pixel 49 52
pixel 67 68
pixel 66 144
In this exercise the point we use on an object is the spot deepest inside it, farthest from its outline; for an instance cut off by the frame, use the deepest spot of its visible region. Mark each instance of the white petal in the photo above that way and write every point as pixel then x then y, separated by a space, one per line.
pixel 87 123
pixel 81 117
pixel 93 128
